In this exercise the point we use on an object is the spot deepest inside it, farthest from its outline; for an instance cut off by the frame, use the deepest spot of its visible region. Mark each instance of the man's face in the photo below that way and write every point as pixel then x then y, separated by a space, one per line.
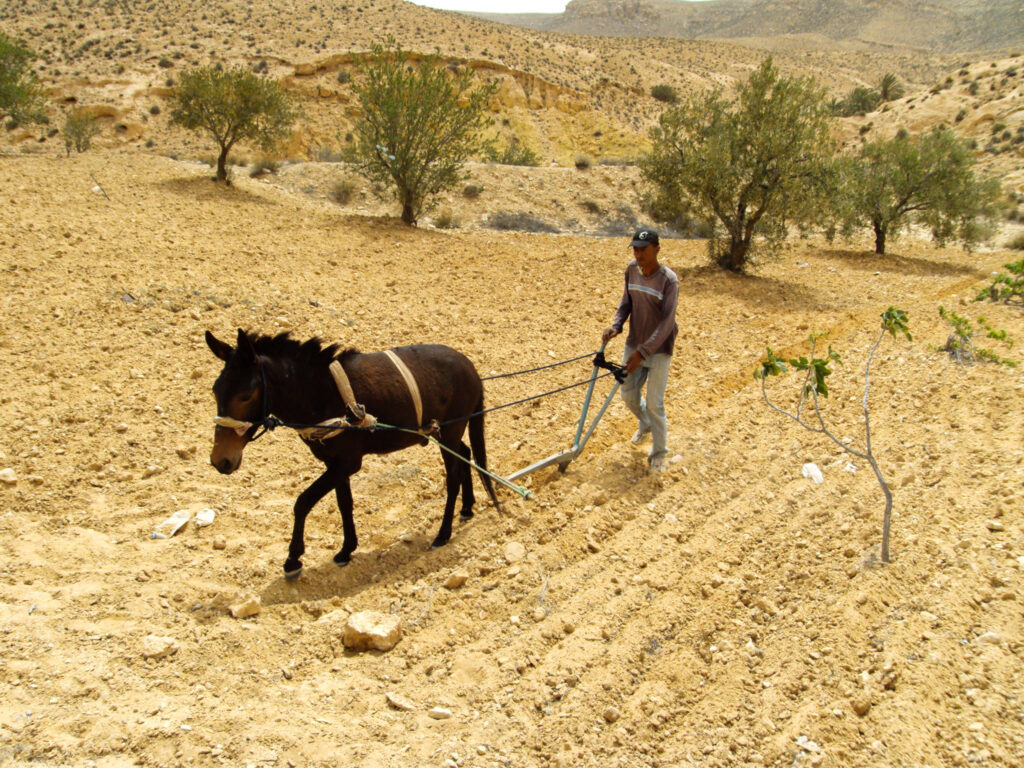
pixel 646 257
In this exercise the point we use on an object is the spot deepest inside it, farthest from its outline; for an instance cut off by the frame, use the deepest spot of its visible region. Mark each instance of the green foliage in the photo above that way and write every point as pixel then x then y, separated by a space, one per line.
pixel 232 105
pixel 515 153
pixel 518 222
pixel 859 101
pixel 815 383
pixel 264 165
pixel 79 129
pixel 927 179
pixel 419 125
pixel 21 95
pixel 1005 288
pixel 960 344
pixel 472 191
pixel 890 88
pixel 753 165
pixel 665 93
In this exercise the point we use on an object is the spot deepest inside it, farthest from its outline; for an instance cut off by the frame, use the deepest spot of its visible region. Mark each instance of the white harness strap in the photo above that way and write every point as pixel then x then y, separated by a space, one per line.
pixel 410 382
pixel 345 388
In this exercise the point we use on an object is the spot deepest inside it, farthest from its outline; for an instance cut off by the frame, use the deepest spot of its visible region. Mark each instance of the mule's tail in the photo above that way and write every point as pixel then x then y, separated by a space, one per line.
pixel 479 449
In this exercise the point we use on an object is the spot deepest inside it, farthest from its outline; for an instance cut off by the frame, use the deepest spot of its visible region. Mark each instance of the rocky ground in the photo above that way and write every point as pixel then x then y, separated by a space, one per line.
pixel 730 612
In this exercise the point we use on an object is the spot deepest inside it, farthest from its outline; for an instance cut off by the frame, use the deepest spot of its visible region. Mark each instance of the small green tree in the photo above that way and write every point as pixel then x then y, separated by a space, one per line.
pixel 890 88
pixel 1005 288
pixel 753 165
pixel 960 344
pixel 927 179
pixel 79 129
pixel 21 96
pixel 894 322
pixel 419 125
pixel 232 105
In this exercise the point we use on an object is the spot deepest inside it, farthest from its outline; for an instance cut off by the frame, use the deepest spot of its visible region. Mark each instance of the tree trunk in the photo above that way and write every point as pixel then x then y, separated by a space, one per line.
pixel 736 258
pixel 408 212
pixel 222 165
pixel 879 238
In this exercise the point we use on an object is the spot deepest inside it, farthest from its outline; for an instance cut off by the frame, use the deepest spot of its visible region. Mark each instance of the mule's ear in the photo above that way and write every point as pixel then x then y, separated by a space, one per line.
pixel 245 345
pixel 218 347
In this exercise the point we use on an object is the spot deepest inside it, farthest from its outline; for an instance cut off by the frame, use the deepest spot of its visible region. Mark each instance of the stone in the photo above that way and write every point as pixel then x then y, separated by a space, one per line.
pixel 995 526
pixel 457 578
pixel 372 630
pixel 440 713
pixel 514 552
pixel 247 605
pixel 861 704
pixel 611 714
pixel 158 647
pixel 990 637
pixel 8 476
pixel 399 702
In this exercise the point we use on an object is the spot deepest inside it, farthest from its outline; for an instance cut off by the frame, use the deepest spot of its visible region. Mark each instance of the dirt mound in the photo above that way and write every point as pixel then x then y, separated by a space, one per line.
pixel 729 612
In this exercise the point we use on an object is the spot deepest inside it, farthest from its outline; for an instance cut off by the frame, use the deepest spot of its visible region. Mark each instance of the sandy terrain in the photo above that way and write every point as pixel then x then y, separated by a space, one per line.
pixel 730 612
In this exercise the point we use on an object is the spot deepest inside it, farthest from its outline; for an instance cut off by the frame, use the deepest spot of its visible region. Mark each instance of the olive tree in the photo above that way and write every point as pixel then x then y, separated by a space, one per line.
pixel 420 122
pixel 751 166
pixel 232 105
pixel 925 179
pixel 21 96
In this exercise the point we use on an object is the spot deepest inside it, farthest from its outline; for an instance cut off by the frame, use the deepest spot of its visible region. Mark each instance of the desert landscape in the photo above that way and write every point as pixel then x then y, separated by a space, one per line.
pixel 728 612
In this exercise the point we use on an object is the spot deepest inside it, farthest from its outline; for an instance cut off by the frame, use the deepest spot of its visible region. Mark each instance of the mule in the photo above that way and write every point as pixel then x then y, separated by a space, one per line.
pixel 289 379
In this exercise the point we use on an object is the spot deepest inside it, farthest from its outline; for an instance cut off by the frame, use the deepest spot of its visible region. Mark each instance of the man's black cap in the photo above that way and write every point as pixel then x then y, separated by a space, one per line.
pixel 643 238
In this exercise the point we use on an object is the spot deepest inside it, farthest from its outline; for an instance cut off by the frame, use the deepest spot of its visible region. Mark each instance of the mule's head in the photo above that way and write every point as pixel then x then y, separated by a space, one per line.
pixel 239 394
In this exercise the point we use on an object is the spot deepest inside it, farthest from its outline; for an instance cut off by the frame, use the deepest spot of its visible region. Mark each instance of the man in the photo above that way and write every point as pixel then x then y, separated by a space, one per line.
pixel 649 302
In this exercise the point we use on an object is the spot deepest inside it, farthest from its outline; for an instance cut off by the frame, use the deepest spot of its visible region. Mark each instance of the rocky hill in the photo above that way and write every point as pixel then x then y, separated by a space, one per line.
pixel 945 25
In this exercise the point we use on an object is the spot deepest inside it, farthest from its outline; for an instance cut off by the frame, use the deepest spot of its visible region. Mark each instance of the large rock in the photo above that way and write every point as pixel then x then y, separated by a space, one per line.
pixel 372 630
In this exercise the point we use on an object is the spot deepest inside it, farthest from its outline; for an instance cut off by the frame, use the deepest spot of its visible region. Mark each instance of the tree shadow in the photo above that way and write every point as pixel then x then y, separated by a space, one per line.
pixel 869 261
pixel 753 290
pixel 205 189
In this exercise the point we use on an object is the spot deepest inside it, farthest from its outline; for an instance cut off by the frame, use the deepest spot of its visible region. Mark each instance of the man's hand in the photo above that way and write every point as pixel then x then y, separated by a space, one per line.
pixel 608 334
pixel 634 362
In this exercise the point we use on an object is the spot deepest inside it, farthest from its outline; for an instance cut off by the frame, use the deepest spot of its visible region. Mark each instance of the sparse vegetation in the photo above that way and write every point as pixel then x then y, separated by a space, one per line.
pixel 21 95
pixel 665 93
pixel 472 191
pixel 342 191
pixel 583 162
pixel 232 105
pixel 755 165
pixel 815 384
pixel 927 179
pixel 80 127
pixel 515 153
pixel 263 166
pixel 960 344
pixel 518 222
pixel 1005 288
pixel 418 127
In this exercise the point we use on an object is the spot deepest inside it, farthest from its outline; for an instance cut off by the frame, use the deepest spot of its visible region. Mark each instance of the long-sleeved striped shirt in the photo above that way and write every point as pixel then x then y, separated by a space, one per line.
pixel 650 305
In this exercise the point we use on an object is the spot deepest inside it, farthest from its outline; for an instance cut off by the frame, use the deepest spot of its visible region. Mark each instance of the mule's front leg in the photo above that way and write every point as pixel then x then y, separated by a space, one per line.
pixel 306 501
pixel 343 492
pixel 453 481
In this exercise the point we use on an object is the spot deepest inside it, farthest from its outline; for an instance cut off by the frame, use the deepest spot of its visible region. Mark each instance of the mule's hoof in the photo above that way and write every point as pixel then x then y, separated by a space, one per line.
pixel 438 543
pixel 466 514
pixel 293 575
pixel 341 560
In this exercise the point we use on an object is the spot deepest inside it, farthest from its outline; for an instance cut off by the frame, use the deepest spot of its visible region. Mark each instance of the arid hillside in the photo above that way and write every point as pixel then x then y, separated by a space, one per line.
pixel 562 95
pixel 730 612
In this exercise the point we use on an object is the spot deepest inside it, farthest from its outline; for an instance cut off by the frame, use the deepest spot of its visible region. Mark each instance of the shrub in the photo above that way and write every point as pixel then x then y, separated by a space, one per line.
pixel 518 222
pixel 472 191
pixel 342 191
pixel 79 129
pixel 960 344
pixel 665 93
pixel 445 219
pixel 21 95
pixel 1017 243
pixel 583 162
pixel 262 166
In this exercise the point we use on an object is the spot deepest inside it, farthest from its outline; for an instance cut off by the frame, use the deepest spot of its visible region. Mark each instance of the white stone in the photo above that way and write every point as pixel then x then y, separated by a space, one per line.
pixel 990 637
pixel 8 477
pixel 440 713
pixel 157 647
pixel 812 472
pixel 372 630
